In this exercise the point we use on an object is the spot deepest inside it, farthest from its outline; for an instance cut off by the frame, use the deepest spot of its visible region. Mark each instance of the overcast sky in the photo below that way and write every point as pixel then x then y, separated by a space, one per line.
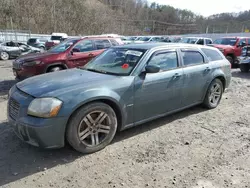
pixel 208 7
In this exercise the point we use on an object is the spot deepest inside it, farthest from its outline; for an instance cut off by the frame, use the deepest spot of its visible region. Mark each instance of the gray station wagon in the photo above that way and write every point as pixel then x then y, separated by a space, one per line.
pixel 123 87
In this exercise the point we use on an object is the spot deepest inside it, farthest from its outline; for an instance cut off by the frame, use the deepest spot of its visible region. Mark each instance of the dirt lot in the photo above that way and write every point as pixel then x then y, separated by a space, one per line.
pixel 193 149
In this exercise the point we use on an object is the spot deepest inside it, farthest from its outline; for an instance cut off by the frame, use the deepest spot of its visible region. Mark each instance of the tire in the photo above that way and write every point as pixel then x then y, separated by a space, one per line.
pixel 213 95
pixel 231 60
pixel 244 67
pixel 55 69
pixel 4 56
pixel 42 49
pixel 83 128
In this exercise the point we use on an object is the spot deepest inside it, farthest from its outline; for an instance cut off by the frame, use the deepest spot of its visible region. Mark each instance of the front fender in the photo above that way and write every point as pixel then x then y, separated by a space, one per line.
pixel 87 96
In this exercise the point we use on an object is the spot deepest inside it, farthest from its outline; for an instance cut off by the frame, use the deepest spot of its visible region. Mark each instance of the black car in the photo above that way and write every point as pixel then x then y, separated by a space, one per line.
pixel 15 49
pixel 37 42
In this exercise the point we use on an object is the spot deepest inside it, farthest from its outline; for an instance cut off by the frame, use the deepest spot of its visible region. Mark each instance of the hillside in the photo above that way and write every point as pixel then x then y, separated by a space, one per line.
pixel 128 17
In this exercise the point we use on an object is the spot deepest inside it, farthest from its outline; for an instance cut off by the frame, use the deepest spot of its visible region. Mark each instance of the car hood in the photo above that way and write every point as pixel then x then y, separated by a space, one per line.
pixel 34 56
pixel 48 84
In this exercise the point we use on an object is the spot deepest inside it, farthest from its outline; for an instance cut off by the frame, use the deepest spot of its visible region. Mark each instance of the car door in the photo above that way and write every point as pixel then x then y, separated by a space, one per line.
pixel 23 49
pixel 159 93
pixel 82 53
pixel 12 48
pixel 239 46
pixel 197 72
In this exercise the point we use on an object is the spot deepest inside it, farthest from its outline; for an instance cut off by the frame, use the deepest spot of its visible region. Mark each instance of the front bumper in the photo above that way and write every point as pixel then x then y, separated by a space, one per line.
pixel 40 132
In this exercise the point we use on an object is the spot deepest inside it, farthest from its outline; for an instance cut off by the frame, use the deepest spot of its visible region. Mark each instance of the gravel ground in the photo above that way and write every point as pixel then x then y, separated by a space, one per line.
pixel 196 148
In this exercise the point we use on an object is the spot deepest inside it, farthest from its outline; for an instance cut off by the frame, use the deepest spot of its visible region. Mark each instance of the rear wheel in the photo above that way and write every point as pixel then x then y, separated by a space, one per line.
pixel 214 94
pixel 4 55
pixel 92 128
pixel 54 69
pixel 244 67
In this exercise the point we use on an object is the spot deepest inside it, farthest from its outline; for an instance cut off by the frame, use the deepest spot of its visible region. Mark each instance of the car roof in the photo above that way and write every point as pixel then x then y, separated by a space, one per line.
pixel 234 37
pixel 149 46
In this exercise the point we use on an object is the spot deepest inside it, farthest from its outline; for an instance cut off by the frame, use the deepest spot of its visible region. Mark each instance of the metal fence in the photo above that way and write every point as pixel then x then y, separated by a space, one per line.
pixel 19 35
pixel 24 35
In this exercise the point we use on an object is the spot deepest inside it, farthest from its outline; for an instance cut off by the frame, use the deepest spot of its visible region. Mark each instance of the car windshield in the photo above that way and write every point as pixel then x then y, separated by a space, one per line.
pixel 226 41
pixel 62 47
pixel 188 40
pixel 145 39
pixel 115 61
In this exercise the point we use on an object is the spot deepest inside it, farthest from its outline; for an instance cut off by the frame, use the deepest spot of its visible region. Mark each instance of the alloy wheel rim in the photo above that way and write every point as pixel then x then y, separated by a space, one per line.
pixel 215 94
pixel 4 55
pixel 94 128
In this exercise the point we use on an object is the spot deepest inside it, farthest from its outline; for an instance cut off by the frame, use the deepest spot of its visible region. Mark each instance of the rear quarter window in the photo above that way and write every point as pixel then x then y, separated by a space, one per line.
pixel 212 55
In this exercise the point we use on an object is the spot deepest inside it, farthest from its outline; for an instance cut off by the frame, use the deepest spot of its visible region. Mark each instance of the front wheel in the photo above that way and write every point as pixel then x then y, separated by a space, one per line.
pixel 4 56
pixel 244 67
pixel 92 128
pixel 231 60
pixel 213 95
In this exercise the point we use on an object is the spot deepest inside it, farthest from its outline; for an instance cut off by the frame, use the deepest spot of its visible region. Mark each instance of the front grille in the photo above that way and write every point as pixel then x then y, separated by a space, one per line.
pixel 13 108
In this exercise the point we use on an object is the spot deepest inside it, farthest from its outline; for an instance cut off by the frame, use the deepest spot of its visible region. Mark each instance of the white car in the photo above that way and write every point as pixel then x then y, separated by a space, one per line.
pixel 196 40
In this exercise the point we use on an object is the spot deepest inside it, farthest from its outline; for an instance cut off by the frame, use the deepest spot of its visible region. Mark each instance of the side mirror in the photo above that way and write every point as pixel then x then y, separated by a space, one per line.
pixel 152 69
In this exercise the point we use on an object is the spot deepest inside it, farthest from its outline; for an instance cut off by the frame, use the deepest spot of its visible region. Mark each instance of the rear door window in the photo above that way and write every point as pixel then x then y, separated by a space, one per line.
pixel 212 55
pixel 84 46
pixel 208 41
pixel 102 44
pixel 192 57
pixel 114 42
pixel 200 41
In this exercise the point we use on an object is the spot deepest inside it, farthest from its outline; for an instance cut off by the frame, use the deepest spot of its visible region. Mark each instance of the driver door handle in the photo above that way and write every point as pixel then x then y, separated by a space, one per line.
pixel 176 75
pixel 207 69
pixel 91 55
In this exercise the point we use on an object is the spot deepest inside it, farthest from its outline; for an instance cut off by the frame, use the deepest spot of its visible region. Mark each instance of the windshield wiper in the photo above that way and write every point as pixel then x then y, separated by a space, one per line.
pixel 94 70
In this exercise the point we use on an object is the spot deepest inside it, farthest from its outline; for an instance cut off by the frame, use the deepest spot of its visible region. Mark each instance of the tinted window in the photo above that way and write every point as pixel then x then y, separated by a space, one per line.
pixel 192 58
pixel 32 40
pixel 208 41
pixel 84 46
pixel 200 41
pixel 248 41
pixel 114 42
pixel 212 55
pixel 102 44
pixel 11 44
pixel 56 37
pixel 166 60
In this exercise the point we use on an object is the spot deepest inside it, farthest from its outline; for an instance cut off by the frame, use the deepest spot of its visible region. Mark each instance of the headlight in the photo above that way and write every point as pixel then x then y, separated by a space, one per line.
pixel 10 91
pixel 44 107
pixel 31 63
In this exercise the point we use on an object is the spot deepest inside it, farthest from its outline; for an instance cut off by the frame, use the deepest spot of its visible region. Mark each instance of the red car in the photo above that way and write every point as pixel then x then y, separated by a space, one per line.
pixel 71 53
pixel 231 47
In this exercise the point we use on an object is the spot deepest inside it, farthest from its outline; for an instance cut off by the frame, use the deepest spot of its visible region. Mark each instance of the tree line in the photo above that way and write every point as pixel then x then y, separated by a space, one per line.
pixel 127 17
